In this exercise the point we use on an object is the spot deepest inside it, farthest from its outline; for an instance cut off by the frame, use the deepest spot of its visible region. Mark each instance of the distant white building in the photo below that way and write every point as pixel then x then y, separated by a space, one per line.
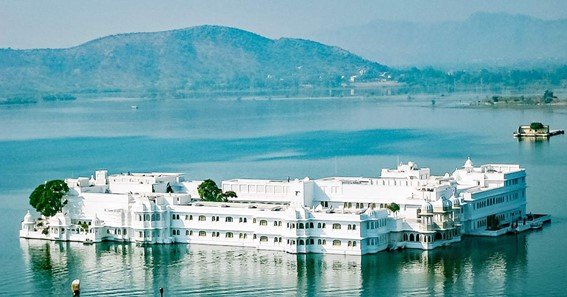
pixel 339 215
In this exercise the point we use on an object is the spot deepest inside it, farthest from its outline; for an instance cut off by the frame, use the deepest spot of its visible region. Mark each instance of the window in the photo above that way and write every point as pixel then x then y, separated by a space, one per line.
pixel 263 238
pixel 319 225
pixel 300 226
pixel 301 242
pixel 336 243
pixel 202 218
pixel 276 223
pixel 311 241
pixel 324 241
pixel 190 217
pixel 337 226
pixel 311 225
pixel 186 232
pixel 263 223
pixel 253 221
pixel 202 233
pixel 228 219
pixel 324 225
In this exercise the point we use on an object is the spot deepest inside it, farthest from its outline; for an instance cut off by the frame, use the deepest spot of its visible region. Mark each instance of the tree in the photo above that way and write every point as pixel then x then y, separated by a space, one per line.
pixel 209 191
pixel 229 194
pixel 47 198
pixel 536 126
pixel 393 207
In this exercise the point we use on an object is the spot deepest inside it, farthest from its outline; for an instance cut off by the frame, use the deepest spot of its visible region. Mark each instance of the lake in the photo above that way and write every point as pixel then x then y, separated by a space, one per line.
pixel 222 139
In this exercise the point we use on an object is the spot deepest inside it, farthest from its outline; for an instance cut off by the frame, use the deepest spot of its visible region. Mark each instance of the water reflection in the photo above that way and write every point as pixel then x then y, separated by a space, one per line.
pixel 475 266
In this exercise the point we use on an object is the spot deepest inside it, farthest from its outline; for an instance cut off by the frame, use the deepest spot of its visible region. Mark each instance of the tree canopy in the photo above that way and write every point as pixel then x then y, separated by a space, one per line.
pixel 209 191
pixel 47 198
pixel 393 207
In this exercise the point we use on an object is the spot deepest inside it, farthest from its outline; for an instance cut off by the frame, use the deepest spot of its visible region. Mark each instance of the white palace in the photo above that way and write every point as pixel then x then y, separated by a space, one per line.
pixel 339 215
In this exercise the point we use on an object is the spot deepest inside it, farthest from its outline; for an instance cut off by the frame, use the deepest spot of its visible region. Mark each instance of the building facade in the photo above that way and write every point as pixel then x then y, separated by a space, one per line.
pixel 405 207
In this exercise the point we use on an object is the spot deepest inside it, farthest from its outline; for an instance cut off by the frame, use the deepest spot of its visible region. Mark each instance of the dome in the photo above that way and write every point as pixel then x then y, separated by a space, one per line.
pixel 28 218
pixel 96 220
pixel 426 207
pixel 468 163
pixel 447 204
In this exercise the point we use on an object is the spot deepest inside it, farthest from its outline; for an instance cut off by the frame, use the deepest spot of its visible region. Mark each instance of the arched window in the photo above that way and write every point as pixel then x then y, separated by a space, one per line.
pixel 411 237
pixel 311 225
pixel 202 233
pixel 319 225
pixel 353 227
pixel 263 223
pixel 319 241
pixel 417 237
pixel 349 243
pixel 186 232
pixel 228 235
pixel 311 241
pixel 275 223
pixel 254 221
pixel 324 241
pixel 301 242
pixel 336 243
pixel 202 218
pixel 228 219
pixel 300 226
pixel 323 226
pixel 337 226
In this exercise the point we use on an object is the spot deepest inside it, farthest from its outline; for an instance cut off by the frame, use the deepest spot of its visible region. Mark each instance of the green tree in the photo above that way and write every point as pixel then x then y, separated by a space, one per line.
pixel 229 194
pixel 536 126
pixel 47 198
pixel 393 207
pixel 209 191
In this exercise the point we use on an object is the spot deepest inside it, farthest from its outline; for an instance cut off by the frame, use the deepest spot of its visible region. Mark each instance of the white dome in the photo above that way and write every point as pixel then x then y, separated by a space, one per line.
pixel 28 218
pixel 468 163
pixel 96 220
pixel 426 207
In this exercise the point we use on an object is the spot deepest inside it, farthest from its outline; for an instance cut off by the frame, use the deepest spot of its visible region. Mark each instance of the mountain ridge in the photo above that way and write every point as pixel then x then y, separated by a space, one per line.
pixel 483 38
pixel 190 58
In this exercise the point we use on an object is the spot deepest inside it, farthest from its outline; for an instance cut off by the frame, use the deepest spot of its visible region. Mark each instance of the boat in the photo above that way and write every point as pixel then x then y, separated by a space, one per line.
pixel 536 130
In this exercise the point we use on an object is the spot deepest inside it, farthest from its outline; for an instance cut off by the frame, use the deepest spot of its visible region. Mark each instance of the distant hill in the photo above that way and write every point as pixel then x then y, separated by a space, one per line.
pixel 482 39
pixel 194 58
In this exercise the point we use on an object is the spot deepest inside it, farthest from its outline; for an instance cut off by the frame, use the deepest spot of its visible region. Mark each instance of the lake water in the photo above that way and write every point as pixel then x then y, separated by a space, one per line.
pixel 223 139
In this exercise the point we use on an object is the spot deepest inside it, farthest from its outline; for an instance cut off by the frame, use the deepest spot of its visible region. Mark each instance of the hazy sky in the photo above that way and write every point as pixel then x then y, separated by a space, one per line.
pixel 42 23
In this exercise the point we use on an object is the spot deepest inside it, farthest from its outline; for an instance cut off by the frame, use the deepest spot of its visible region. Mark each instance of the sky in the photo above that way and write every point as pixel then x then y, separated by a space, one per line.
pixel 59 24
